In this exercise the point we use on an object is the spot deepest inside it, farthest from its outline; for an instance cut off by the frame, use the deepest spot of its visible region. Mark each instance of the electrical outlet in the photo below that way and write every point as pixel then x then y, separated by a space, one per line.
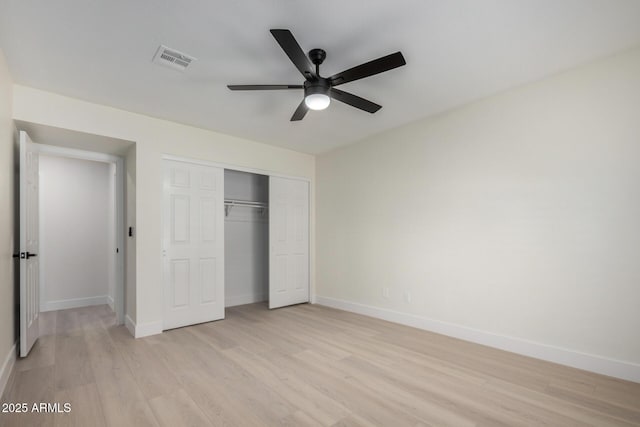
pixel 385 292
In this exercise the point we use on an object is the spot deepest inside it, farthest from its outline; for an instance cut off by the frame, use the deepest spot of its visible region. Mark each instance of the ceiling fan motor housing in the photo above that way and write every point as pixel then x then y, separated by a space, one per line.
pixel 320 86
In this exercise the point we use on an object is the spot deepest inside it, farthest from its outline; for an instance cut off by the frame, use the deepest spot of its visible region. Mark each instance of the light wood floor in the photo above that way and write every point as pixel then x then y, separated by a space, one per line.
pixel 298 366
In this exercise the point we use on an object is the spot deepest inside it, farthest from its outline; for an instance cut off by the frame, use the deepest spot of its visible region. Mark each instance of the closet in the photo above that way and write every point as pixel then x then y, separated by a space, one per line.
pixel 231 237
pixel 246 238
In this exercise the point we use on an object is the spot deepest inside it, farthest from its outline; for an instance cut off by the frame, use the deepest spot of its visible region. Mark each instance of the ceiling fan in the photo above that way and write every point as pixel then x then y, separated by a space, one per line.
pixel 319 90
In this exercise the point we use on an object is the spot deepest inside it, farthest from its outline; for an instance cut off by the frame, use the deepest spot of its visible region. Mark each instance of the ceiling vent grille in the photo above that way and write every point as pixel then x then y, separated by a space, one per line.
pixel 172 58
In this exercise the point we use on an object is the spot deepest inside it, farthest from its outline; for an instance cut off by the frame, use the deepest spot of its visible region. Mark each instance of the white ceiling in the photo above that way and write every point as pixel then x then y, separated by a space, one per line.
pixel 457 51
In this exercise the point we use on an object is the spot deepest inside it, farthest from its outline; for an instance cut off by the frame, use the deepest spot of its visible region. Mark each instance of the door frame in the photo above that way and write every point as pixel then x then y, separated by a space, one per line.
pixel 72 153
pixel 230 166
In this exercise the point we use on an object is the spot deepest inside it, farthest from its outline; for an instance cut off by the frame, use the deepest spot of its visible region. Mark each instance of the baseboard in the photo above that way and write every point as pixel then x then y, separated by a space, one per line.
pixel 111 303
pixel 73 303
pixel 130 325
pixel 142 329
pixel 244 299
pixel 7 368
pixel 588 362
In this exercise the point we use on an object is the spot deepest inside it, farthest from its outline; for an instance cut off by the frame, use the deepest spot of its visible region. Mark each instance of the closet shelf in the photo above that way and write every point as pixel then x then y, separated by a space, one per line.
pixel 229 203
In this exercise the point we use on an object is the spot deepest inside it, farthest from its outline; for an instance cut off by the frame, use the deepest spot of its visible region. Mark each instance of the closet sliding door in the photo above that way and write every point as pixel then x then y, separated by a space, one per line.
pixel 288 241
pixel 193 243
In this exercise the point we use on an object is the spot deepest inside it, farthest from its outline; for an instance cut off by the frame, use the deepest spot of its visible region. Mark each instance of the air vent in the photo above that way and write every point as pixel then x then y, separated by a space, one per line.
pixel 172 58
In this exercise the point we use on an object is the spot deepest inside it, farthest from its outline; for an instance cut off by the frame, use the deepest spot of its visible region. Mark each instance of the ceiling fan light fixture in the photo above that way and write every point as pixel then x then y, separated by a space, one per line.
pixel 316 94
pixel 317 101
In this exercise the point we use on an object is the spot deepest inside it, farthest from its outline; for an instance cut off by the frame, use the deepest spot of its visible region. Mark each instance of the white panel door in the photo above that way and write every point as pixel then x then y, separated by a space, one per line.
pixel 29 245
pixel 289 242
pixel 193 244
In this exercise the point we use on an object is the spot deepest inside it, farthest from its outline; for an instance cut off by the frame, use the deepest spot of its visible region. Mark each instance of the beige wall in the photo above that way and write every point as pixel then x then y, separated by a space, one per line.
pixel 153 138
pixel 7 203
pixel 514 217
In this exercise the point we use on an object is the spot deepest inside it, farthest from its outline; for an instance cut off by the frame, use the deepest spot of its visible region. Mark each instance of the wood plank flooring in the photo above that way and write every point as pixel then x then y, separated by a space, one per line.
pixel 298 366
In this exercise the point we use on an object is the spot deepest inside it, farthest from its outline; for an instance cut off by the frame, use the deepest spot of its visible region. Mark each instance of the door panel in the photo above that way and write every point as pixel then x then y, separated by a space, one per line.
pixel 193 244
pixel 179 218
pixel 179 275
pixel 289 240
pixel 208 269
pixel 29 245
pixel 208 219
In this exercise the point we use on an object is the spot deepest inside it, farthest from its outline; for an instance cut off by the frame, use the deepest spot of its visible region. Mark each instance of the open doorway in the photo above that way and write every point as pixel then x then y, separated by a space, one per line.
pixel 81 222
pixel 81 212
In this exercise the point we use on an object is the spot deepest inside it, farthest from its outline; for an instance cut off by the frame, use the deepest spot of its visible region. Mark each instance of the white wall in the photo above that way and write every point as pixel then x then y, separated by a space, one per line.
pixel 514 221
pixel 75 242
pixel 7 203
pixel 153 138
pixel 246 240
pixel 111 236
pixel 130 241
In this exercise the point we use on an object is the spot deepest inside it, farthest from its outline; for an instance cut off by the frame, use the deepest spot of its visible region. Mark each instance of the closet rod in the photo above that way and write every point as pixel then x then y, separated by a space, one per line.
pixel 228 204
pixel 245 203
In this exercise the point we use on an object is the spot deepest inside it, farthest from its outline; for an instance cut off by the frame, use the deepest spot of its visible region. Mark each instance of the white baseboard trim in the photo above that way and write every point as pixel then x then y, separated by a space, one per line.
pixel 7 368
pixel 73 303
pixel 142 329
pixel 588 362
pixel 111 303
pixel 130 325
pixel 244 299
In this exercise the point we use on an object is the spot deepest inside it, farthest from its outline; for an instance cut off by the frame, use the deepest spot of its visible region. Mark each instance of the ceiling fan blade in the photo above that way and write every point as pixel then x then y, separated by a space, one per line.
pixel 354 101
pixel 300 112
pixel 367 69
pixel 264 87
pixel 295 53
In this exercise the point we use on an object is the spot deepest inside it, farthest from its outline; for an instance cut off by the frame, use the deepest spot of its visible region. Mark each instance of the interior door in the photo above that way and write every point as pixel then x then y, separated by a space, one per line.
pixel 29 245
pixel 193 244
pixel 289 242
